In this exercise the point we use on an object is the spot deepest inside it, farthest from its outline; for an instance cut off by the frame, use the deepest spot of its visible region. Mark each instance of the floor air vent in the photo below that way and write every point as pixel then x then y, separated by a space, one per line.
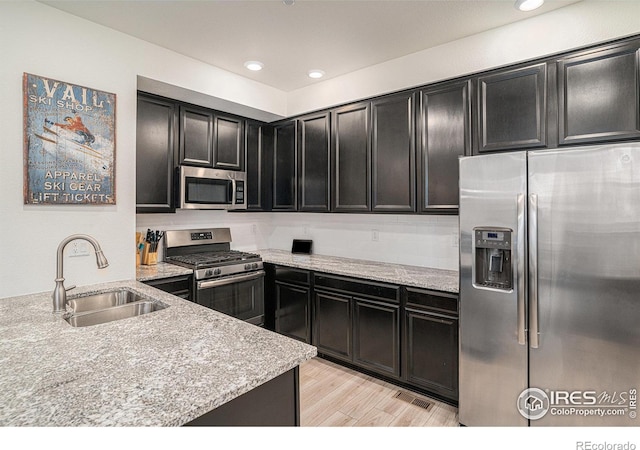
pixel 424 404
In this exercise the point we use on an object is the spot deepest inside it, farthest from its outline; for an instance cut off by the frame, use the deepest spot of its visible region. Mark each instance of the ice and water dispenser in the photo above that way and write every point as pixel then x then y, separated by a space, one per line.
pixel 492 258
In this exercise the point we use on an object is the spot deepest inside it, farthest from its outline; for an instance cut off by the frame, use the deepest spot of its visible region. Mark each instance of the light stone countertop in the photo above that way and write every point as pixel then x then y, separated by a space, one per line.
pixel 164 368
pixel 160 270
pixel 415 276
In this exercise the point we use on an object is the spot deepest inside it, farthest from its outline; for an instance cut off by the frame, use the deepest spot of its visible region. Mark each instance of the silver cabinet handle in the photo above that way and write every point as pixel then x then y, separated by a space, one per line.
pixel 534 325
pixel 520 270
pixel 229 280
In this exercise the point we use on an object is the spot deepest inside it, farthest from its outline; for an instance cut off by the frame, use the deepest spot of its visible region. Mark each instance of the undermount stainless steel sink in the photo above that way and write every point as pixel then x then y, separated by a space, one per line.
pixel 109 306
pixel 103 300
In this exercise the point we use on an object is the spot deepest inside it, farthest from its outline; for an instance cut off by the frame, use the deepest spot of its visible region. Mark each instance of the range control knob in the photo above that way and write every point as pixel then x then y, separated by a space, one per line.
pixel 247 266
pixel 217 272
pixel 254 265
pixel 208 273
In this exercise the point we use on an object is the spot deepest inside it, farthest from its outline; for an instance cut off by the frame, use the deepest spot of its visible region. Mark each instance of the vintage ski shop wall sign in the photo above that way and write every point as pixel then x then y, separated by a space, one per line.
pixel 69 143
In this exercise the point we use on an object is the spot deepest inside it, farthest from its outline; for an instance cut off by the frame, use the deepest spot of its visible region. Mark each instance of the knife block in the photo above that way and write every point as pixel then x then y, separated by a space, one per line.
pixel 149 258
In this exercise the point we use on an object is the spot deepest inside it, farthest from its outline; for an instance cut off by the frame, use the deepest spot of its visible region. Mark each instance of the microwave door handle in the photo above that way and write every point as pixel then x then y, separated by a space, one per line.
pixel 233 191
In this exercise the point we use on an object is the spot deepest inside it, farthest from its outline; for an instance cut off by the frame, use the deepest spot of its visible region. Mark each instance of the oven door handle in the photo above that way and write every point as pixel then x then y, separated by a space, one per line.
pixel 230 280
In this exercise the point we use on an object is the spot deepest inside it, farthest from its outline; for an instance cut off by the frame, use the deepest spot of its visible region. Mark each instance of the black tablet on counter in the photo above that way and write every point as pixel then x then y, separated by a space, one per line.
pixel 301 246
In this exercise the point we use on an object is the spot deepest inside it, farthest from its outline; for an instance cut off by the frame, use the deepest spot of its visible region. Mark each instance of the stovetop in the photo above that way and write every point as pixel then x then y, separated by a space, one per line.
pixel 203 260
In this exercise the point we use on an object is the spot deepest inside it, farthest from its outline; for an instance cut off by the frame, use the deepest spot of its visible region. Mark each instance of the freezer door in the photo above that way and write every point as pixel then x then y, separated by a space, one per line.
pixel 493 350
pixel 587 318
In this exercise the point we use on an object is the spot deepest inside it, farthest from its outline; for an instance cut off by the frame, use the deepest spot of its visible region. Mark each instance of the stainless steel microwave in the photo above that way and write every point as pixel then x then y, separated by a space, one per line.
pixel 203 188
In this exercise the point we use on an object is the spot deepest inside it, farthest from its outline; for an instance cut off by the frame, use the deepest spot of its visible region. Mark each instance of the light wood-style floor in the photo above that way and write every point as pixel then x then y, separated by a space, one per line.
pixel 335 396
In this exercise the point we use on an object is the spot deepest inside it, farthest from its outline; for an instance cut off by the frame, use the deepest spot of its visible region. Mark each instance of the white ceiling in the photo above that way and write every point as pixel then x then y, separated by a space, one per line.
pixel 336 36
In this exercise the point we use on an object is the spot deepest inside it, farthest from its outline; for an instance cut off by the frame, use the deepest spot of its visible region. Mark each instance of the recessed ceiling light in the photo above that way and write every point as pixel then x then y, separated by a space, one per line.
pixel 254 65
pixel 316 73
pixel 288 2
pixel 528 5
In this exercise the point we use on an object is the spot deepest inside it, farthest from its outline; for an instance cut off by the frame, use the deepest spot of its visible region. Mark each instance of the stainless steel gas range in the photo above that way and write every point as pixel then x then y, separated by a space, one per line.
pixel 226 280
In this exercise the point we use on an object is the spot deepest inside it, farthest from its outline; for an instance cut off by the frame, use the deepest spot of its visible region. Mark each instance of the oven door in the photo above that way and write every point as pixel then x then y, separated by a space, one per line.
pixel 240 296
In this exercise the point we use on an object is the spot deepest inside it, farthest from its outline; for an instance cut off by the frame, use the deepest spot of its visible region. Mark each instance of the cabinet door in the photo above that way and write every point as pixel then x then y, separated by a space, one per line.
pixel 156 145
pixel 228 148
pixel 393 154
pixel 313 151
pixel 284 166
pixel 512 109
pixel 599 95
pixel 196 136
pixel 257 160
pixel 332 325
pixel 293 313
pixel 445 134
pixel 376 336
pixel 351 158
pixel 431 352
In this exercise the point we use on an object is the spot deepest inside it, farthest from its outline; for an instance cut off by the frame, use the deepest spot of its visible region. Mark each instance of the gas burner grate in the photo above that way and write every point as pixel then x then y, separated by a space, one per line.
pixel 226 256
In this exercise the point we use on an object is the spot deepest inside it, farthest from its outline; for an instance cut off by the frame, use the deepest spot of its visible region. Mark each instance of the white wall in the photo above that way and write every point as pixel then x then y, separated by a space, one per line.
pixel 577 25
pixel 430 241
pixel 44 41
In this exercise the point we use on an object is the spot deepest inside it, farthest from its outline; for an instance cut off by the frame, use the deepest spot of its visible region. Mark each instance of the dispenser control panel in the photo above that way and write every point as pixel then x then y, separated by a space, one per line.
pixel 492 259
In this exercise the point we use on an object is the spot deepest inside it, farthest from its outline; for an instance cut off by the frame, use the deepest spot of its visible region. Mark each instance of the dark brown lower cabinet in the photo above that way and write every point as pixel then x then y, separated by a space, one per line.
pixel 358 322
pixel 332 325
pixel 431 342
pixel 404 335
pixel 179 286
pixel 376 336
pixel 293 311
pixel 274 403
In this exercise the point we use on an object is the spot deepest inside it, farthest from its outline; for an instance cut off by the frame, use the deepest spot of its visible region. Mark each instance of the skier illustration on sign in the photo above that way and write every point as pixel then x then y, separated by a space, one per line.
pixel 74 124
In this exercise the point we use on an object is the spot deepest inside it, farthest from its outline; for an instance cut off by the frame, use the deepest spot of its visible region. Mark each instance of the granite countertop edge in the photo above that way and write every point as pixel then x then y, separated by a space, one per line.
pixel 165 368
pixel 405 275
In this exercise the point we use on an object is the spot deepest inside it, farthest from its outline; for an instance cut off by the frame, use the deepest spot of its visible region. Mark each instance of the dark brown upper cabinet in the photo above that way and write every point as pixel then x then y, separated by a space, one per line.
pixel 196 136
pixel 156 151
pixel 512 109
pixel 444 134
pixel 258 137
pixel 351 158
pixel 393 154
pixel 284 166
pixel 229 142
pixel 599 95
pixel 314 147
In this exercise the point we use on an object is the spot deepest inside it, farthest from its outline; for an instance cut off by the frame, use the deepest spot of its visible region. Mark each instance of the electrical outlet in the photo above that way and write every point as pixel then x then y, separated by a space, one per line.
pixel 305 230
pixel 375 235
pixel 254 228
pixel 79 248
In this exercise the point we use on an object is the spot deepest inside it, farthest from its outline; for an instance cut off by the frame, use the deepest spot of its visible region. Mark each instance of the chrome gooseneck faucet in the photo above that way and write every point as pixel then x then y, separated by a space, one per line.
pixel 60 292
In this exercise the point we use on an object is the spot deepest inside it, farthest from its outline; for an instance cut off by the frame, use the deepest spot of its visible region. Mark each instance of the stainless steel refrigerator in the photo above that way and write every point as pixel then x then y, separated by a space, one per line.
pixel 550 287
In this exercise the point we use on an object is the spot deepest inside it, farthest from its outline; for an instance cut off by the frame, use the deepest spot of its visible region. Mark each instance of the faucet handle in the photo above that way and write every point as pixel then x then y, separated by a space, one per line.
pixel 69 288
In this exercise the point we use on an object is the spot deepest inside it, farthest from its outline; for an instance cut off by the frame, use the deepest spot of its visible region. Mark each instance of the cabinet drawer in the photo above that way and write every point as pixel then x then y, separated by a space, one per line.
pixel 293 276
pixel 367 289
pixel 433 300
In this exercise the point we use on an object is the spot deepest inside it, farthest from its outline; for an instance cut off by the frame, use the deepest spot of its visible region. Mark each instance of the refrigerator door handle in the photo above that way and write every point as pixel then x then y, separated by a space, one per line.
pixel 534 325
pixel 520 270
